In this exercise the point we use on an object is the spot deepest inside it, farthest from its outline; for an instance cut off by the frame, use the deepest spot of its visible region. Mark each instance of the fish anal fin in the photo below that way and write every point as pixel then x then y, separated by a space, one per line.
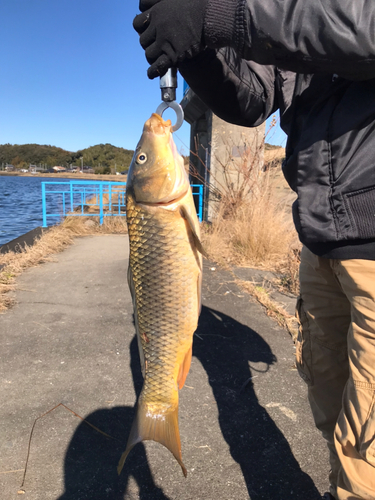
pixel 185 367
pixel 161 428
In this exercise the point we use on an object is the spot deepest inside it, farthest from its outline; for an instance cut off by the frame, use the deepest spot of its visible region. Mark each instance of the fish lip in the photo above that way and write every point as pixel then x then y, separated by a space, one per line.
pixel 162 203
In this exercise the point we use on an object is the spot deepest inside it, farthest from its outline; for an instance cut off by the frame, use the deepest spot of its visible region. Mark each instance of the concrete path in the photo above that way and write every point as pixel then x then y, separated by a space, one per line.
pixel 246 429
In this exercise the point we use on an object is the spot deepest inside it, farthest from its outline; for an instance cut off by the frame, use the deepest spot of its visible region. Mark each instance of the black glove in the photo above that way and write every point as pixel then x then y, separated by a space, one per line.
pixel 171 31
pixel 147 4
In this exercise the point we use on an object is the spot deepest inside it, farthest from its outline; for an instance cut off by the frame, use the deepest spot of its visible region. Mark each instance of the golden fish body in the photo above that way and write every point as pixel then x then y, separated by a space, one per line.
pixel 164 278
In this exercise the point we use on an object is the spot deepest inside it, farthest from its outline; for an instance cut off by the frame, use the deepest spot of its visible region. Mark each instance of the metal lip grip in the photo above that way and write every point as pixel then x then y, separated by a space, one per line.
pixel 168 85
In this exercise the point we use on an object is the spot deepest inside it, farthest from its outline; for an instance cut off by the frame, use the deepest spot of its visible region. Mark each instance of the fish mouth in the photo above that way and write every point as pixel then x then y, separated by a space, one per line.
pixel 162 203
pixel 157 125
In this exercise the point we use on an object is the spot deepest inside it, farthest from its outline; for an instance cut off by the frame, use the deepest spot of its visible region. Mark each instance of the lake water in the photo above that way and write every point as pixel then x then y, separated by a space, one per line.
pixel 21 205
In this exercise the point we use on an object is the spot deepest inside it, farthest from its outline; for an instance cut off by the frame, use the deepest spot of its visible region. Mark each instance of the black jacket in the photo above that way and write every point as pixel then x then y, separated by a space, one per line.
pixel 315 62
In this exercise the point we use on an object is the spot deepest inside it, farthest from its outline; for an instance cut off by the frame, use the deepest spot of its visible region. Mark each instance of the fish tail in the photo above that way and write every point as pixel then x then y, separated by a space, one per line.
pixel 161 428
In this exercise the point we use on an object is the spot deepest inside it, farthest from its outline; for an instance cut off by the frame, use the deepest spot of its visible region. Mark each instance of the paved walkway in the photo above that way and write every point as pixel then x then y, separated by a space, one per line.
pixel 246 429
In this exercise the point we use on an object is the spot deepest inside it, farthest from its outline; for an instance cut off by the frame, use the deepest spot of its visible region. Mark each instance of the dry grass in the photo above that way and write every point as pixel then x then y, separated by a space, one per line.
pixel 81 226
pixel 258 234
pixel 274 156
pixel 289 271
pixel 273 309
pixel 53 241
pixel 92 204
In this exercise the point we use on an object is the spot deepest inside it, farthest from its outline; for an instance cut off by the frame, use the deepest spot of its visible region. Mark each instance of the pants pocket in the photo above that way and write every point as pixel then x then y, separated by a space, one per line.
pixel 303 345
pixel 367 441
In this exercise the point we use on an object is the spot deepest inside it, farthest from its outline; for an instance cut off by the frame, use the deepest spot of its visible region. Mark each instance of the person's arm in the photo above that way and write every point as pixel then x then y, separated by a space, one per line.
pixel 303 36
pixel 238 91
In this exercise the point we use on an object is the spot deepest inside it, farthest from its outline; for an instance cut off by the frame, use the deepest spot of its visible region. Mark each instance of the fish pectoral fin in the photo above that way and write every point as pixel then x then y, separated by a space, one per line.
pixel 185 214
pixel 160 428
pixel 185 367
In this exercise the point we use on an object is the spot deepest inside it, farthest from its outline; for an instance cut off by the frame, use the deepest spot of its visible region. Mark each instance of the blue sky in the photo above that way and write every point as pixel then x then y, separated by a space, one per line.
pixel 74 75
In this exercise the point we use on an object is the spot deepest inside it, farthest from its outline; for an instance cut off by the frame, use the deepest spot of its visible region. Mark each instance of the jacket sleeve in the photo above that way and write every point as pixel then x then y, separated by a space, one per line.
pixel 238 91
pixel 303 36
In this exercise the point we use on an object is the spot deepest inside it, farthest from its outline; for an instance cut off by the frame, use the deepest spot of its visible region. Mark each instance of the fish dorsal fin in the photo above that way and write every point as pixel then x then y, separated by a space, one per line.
pixel 186 215
pixel 185 367
pixel 132 292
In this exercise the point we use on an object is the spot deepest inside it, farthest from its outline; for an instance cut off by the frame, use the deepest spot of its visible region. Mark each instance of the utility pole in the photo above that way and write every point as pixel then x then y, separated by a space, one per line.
pixel 82 164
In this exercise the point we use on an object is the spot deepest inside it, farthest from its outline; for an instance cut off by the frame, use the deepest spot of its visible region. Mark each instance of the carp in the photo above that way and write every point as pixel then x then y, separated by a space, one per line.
pixel 164 277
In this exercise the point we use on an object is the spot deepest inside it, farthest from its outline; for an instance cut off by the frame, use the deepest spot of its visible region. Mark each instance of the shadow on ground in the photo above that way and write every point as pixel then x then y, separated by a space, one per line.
pixel 225 348
pixel 91 460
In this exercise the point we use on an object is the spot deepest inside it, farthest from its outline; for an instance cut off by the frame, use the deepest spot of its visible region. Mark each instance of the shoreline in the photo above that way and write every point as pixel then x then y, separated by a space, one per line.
pixel 67 175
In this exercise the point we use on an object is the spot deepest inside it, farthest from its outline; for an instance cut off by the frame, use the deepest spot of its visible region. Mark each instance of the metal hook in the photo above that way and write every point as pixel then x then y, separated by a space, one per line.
pixel 176 108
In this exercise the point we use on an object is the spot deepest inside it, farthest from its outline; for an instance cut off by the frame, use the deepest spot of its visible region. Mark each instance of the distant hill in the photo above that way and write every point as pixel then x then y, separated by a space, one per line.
pixel 268 147
pixel 105 156
pixel 273 155
pixel 102 157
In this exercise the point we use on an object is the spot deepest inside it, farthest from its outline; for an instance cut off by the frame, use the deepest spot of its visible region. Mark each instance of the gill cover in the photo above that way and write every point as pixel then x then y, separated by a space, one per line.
pixel 157 173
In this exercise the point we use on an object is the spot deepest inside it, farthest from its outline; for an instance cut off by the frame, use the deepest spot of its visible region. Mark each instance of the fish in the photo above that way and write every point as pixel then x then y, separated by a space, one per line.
pixel 165 279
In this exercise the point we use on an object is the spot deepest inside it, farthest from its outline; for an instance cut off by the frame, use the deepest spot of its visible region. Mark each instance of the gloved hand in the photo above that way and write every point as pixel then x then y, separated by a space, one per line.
pixel 170 31
pixel 147 4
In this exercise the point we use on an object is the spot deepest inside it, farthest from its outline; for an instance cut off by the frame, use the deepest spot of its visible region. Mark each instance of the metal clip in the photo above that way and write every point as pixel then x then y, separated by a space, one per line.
pixel 178 110
pixel 168 85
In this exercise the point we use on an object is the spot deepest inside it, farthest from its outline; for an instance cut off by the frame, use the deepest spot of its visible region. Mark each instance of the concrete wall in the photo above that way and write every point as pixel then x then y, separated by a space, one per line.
pixel 221 155
pixel 236 158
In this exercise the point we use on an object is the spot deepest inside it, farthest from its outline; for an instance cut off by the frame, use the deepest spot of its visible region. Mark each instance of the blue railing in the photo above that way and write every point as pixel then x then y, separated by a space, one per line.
pixel 91 199
pixel 197 190
pixel 77 198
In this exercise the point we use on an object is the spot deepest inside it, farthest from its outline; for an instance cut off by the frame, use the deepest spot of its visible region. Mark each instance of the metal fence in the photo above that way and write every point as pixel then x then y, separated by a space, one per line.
pixel 92 199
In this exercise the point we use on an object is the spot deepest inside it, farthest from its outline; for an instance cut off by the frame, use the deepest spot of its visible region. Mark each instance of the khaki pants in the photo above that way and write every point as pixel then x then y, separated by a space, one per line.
pixel 336 358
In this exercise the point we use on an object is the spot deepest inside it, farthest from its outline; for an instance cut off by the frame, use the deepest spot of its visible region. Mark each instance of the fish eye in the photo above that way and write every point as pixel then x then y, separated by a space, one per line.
pixel 141 158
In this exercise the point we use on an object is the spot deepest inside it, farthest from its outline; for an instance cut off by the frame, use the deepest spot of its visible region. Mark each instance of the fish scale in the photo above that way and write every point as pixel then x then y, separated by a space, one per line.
pixel 165 301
